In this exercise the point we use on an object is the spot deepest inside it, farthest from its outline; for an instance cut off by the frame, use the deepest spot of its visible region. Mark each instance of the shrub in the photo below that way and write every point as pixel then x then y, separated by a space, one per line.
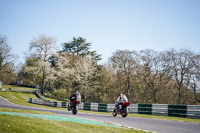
pixel 60 94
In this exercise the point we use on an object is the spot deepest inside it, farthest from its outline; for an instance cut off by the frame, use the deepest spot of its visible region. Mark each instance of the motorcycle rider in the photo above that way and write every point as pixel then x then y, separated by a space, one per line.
pixel 75 96
pixel 120 100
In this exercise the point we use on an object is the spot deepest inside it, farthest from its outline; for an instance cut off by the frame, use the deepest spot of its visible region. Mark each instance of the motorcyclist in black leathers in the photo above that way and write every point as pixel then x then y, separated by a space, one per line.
pixel 75 96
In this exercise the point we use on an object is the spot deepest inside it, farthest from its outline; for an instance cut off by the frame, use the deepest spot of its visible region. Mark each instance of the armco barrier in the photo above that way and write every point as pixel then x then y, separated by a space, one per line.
pixel 177 110
pixel 64 104
pixel 110 107
pixel 48 103
pixel 86 106
pixel 30 100
pixel 193 111
pixel 145 109
pixel 94 106
pixel 55 104
pixel 81 106
pixel 133 108
pixel 37 101
pixel 102 107
pixel 189 111
pixel 160 109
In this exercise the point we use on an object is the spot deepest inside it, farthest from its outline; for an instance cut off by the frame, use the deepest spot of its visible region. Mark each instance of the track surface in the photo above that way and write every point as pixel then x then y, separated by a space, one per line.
pixel 153 125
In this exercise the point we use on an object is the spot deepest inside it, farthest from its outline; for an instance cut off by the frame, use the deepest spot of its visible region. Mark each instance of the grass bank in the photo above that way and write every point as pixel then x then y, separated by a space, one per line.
pixel 17 87
pixel 20 124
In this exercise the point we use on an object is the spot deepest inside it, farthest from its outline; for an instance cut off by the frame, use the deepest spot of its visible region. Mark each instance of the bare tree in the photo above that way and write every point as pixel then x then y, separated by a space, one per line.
pixel 194 82
pixel 153 72
pixel 6 57
pixel 110 81
pixel 124 63
pixel 180 63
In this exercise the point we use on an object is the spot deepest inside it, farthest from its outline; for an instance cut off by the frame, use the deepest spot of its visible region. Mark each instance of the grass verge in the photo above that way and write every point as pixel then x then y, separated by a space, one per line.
pixel 23 111
pixel 17 87
pixel 19 124
pixel 21 98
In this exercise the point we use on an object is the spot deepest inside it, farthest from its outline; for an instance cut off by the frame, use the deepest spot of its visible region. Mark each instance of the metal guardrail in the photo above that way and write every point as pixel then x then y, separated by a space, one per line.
pixel 177 110
pixel 145 109
pixel 193 111
pixel 160 109
pixel 189 111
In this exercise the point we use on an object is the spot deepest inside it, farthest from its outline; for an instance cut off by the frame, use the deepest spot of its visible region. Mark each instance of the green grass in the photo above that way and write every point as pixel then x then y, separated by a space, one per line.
pixel 26 88
pixel 21 98
pixel 23 111
pixel 17 97
pixel 52 99
pixel 19 124
pixel 17 87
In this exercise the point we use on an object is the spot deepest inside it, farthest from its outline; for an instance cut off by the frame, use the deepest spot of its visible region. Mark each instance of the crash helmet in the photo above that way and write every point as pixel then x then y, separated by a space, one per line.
pixel 121 94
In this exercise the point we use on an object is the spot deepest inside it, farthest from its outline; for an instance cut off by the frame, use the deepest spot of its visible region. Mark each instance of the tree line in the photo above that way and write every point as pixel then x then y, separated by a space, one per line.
pixel 148 76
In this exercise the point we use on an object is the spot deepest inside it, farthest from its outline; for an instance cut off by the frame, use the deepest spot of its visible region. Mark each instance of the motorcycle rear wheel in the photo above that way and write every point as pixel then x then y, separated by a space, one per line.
pixel 74 109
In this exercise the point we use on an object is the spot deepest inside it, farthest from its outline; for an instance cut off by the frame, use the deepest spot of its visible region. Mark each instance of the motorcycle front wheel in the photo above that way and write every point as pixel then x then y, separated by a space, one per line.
pixel 124 112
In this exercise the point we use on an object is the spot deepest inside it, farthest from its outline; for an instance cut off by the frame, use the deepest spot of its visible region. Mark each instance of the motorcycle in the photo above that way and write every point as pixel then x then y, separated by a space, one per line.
pixel 74 106
pixel 123 110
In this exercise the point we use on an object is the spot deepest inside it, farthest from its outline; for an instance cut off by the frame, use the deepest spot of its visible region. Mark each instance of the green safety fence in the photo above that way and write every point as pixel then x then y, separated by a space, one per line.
pixel 145 109
pixel 102 107
pixel 55 104
pixel 86 106
pixel 30 100
pixel 177 110
pixel 64 104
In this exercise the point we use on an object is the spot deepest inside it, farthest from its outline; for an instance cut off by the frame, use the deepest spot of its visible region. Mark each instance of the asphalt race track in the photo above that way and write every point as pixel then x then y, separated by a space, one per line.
pixel 153 125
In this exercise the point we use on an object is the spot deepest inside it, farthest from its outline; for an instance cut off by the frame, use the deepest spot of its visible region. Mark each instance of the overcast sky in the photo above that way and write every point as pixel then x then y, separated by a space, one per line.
pixel 109 25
